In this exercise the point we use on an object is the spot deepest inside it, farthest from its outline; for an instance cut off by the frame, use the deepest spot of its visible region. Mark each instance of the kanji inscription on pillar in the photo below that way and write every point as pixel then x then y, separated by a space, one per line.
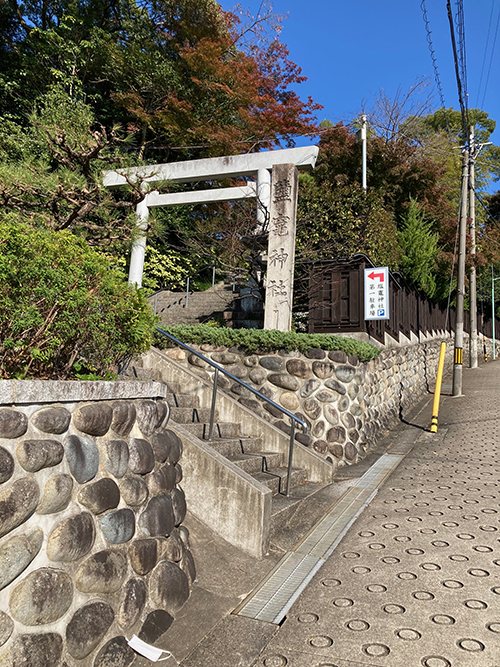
pixel 281 248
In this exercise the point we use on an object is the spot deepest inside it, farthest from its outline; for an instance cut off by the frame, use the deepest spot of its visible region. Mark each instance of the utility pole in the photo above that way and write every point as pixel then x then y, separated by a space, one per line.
pixel 363 130
pixel 361 136
pixel 472 275
pixel 459 326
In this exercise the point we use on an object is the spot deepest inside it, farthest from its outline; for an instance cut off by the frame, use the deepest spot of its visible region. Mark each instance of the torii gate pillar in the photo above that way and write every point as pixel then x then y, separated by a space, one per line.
pixel 281 248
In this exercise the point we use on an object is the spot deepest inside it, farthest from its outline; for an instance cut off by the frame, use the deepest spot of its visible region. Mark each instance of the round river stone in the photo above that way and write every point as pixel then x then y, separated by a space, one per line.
pixel 133 601
pixel 103 572
pixel 17 553
pixel 94 419
pixel 312 408
pixel 315 353
pixel 6 627
pixel 168 587
pixel 338 356
pixel 272 363
pixel 124 414
pixel 52 420
pixel 188 567
pixel 72 538
pixel 335 385
pixel 143 555
pixel 158 517
pixel 36 650
pixel 284 381
pixel 42 597
pixel 345 373
pixel 118 527
pixel 147 417
pixel 323 369
pixel 17 503
pixel 179 505
pixel 310 387
pixel 83 458
pixel 141 459
pixel 6 465
pixel 34 455
pixel 299 368
pixel 116 457
pixel 86 629
pixel 115 653
pixel 100 496
pixel 56 494
pixel 134 491
pixel 162 480
pixel 13 423
pixel 155 625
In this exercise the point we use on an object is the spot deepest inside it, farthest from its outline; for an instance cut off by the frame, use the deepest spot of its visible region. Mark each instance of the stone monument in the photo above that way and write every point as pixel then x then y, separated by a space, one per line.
pixel 281 248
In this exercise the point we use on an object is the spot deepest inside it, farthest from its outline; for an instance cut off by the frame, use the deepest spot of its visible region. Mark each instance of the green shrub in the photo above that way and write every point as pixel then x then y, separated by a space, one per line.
pixel 64 312
pixel 258 340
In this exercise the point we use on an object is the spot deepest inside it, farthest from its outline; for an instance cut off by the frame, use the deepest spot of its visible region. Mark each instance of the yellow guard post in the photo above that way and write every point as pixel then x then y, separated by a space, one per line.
pixel 437 390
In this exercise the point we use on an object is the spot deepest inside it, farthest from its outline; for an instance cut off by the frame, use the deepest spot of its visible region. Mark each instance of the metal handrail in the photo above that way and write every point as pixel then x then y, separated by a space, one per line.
pixel 293 418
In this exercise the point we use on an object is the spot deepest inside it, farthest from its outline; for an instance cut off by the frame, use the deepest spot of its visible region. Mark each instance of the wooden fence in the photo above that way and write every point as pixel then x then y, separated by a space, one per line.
pixel 336 305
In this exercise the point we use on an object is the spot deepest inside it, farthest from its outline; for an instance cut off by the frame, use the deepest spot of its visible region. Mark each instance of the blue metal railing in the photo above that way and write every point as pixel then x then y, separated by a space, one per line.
pixel 218 369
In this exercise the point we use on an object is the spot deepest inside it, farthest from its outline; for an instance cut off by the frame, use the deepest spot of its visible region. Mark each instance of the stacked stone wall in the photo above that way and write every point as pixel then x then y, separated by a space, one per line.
pixel 346 404
pixel 92 546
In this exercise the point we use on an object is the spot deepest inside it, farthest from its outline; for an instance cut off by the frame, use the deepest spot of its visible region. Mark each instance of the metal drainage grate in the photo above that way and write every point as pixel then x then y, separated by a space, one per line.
pixel 272 599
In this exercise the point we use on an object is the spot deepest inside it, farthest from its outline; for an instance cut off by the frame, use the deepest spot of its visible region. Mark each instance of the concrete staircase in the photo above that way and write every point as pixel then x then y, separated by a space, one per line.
pixel 202 306
pixel 246 452
pixel 235 484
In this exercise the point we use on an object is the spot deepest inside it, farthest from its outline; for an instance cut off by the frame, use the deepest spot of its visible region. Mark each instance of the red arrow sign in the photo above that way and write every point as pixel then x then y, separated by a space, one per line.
pixel 373 275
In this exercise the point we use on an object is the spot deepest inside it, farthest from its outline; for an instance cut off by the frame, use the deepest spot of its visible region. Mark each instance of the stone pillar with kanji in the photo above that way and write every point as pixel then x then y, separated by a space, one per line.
pixel 281 248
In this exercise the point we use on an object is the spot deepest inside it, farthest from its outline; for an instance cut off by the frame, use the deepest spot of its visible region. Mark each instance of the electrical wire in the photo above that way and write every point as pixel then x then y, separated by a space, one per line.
pixel 457 73
pixel 485 50
pixel 433 57
pixel 491 59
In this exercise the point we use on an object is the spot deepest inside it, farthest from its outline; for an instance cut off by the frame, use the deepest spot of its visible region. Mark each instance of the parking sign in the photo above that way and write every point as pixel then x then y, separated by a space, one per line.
pixel 377 293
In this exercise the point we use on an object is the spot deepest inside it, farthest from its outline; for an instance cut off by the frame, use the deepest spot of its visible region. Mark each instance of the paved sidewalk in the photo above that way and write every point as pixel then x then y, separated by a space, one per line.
pixel 416 579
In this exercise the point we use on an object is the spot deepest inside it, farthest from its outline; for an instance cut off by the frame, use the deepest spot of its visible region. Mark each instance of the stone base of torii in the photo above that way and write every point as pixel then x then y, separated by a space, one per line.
pixel 276 203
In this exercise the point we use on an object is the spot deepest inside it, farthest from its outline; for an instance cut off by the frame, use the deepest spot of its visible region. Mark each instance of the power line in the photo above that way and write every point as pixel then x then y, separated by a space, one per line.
pixel 491 59
pixel 485 50
pixel 457 74
pixel 433 55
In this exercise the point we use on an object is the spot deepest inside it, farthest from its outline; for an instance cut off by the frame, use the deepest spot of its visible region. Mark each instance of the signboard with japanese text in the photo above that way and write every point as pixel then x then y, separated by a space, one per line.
pixel 377 293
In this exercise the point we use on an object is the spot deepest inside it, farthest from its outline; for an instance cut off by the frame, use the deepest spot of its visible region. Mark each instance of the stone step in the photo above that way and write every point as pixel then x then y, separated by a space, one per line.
pixel 257 462
pixel 276 478
pixel 176 400
pixel 191 415
pixel 234 446
pixel 221 430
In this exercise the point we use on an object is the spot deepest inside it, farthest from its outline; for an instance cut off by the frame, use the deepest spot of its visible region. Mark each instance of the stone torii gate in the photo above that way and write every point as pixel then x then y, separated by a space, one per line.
pixel 276 198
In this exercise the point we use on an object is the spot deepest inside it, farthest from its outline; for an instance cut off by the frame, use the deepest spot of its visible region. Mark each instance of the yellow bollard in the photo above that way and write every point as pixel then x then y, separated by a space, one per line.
pixel 437 389
pixel 484 349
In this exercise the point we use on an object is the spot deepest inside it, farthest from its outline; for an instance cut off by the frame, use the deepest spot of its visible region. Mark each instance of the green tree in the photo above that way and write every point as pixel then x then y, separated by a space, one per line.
pixel 62 306
pixel 419 250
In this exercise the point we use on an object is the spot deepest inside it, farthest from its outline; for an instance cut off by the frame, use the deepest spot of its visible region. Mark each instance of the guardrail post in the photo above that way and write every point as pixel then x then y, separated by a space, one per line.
pixel 290 457
pixel 212 411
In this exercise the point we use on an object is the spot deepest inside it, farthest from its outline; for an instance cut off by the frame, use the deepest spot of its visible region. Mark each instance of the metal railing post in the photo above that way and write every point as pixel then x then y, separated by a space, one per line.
pixel 212 411
pixel 290 457
pixel 213 279
pixel 187 294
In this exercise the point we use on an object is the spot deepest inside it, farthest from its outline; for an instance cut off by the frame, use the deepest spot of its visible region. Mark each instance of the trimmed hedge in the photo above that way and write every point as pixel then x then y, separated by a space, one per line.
pixel 258 340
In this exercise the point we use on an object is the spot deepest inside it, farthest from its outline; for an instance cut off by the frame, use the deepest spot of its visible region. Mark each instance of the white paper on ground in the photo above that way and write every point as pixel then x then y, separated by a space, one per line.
pixel 150 652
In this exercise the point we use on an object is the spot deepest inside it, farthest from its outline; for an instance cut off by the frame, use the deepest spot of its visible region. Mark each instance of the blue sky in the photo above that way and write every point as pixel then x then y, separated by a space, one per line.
pixel 351 49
